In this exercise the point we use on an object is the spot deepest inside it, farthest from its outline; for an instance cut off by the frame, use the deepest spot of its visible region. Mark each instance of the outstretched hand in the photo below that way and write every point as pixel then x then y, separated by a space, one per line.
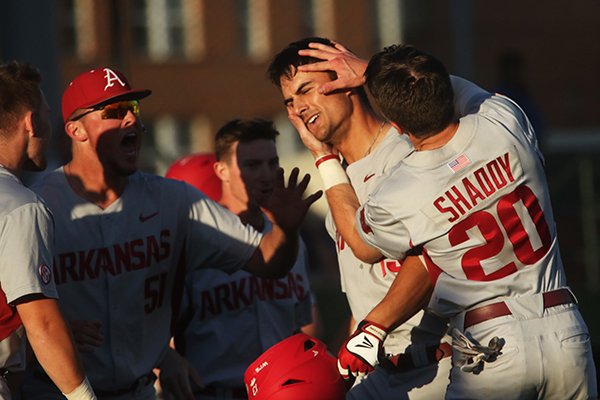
pixel 349 68
pixel 285 206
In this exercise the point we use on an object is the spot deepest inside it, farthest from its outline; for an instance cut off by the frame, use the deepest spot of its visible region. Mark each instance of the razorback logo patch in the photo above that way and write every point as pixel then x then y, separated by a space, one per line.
pixel 45 273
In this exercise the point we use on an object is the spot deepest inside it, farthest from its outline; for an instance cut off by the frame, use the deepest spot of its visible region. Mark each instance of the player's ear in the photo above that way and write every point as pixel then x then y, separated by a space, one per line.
pixel 221 170
pixel 76 131
pixel 29 122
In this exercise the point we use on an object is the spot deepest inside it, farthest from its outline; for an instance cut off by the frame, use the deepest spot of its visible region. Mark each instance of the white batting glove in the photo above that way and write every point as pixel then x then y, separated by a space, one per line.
pixel 359 354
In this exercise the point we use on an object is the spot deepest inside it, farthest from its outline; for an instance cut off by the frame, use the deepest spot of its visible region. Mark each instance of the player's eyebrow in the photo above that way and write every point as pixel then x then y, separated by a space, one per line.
pixel 300 87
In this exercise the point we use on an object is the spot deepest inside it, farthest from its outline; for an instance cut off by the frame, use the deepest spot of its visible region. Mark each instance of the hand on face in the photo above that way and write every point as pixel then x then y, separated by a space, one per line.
pixel 314 145
pixel 349 68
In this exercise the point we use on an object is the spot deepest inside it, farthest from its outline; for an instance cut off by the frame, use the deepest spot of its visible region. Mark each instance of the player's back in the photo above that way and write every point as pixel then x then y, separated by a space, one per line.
pixel 484 212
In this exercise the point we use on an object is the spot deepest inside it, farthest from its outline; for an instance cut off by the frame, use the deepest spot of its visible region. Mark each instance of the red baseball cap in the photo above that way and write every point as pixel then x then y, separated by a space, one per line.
pixel 98 86
pixel 197 170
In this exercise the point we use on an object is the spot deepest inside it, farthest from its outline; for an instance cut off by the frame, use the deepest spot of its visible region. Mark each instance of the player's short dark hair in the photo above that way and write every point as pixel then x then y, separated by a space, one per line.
pixel 286 62
pixel 244 131
pixel 19 92
pixel 412 89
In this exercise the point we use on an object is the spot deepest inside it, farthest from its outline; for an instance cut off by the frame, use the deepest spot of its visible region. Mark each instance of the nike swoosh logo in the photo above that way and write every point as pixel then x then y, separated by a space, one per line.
pixel 144 218
pixel 368 177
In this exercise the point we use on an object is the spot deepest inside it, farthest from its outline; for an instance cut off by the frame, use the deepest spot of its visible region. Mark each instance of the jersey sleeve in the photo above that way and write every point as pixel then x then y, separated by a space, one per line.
pixel 26 247
pixel 216 238
pixel 467 96
pixel 377 227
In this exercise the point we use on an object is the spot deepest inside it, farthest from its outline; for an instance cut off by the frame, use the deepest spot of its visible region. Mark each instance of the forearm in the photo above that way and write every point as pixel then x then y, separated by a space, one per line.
pixel 52 343
pixel 275 255
pixel 344 205
pixel 407 295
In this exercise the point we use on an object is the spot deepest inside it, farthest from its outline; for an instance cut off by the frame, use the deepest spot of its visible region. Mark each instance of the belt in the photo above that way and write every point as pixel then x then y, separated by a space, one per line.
pixel 500 309
pixel 211 390
pixel 404 362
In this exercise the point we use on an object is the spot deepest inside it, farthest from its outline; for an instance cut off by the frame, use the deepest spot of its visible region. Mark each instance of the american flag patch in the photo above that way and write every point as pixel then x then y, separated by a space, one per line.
pixel 459 163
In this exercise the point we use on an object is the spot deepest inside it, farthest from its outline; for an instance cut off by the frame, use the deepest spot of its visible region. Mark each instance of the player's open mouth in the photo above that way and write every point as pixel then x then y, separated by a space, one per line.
pixel 129 143
pixel 312 119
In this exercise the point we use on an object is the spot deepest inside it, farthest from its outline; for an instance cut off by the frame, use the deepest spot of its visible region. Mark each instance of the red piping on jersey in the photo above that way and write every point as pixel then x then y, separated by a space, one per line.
pixel 9 319
pixel 433 270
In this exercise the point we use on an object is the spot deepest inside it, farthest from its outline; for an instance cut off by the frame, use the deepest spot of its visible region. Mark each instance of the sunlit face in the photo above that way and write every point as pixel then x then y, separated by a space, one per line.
pixel 116 141
pixel 323 115
pixel 253 167
pixel 37 145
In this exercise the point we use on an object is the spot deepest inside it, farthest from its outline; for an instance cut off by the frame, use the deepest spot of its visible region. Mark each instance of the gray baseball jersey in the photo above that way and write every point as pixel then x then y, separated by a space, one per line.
pixel 233 319
pixel 26 245
pixel 118 265
pixel 365 286
pixel 480 207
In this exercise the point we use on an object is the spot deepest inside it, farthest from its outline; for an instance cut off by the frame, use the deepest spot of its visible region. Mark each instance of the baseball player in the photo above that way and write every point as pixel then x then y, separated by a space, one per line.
pixel 370 148
pixel 28 298
pixel 123 234
pixel 475 197
pixel 256 313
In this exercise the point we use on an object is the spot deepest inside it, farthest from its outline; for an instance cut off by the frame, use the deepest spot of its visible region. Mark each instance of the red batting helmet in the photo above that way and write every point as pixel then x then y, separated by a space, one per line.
pixel 297 368
pixel 197 170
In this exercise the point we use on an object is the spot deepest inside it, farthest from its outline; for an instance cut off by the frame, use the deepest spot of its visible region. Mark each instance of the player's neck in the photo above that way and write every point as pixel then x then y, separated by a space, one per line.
pixel 91 183
pixel 435 141
pixel 364 133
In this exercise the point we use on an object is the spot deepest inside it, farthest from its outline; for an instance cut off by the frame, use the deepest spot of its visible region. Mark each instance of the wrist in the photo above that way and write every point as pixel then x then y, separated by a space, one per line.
pixel 373 328
pixel 82 392
pixel 331 170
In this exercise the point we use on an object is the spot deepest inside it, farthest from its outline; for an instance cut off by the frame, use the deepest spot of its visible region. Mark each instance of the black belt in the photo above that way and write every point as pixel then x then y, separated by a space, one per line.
pixel 551 299
pixel 211 390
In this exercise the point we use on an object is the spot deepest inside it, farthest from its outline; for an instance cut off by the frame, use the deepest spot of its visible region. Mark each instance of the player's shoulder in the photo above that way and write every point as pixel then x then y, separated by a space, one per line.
pixel 399 188
pixel 503 109
pixel 13 194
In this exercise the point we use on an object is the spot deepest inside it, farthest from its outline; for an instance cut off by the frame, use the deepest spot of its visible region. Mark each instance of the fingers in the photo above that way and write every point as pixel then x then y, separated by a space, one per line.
pixel 319 66
pixel 279 181
pixel 342 370
pixel 87 335
pixel 301 187
pixel 293 179
pixel 313 197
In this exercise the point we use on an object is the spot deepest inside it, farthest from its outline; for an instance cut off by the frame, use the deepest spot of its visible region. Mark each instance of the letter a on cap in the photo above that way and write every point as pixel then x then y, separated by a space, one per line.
pixel 111 76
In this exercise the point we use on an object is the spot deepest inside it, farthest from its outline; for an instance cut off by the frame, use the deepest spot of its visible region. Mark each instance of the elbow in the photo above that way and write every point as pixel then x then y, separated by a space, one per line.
pixel 367 254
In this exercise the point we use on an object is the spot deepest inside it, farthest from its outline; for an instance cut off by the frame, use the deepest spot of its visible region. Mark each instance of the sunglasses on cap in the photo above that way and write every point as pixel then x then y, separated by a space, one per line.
pixel 116 110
